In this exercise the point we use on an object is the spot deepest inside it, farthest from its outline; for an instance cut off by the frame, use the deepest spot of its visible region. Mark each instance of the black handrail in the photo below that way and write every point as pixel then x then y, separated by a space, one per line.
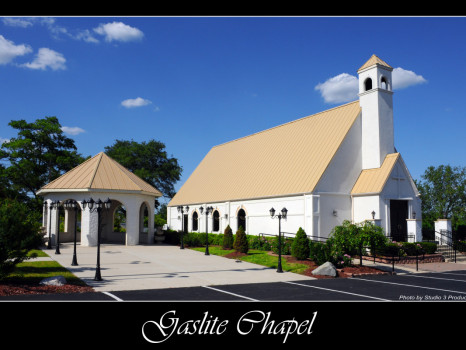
pixel 446 238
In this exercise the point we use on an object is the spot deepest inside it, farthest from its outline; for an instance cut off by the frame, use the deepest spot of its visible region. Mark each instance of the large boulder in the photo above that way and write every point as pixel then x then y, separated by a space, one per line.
pixel 53 281
pixel 326 269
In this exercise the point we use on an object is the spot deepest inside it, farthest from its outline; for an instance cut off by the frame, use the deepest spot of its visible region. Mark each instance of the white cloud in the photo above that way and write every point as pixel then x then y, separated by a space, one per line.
pixel 344 87
pixel 3 140
pixel 118 31
pixel 9 51
pixel 22 22
pixel 72 130
pixel 403 78
pixel 86 36
pixel 47 58
pixel 341 88
pixel 135 102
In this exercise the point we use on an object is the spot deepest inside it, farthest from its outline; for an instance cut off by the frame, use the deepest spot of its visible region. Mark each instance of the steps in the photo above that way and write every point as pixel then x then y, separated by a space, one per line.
pixel 449 254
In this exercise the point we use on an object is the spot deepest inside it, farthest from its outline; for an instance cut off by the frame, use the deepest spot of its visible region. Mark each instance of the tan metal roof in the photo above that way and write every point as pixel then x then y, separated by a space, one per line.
pixel 100 172
pixel 373 61
pixel 373 180
pixel 287 159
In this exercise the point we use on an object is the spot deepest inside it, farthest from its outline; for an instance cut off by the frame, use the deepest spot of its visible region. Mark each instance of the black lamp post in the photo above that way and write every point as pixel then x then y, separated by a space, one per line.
pixel 97 206
pixel 57 207
pixel 208 210
pixel 182 211
pixel 280 216
pixel 72 205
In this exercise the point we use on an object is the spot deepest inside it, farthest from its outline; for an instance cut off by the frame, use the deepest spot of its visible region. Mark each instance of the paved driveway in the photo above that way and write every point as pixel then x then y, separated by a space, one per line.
pixel 161 266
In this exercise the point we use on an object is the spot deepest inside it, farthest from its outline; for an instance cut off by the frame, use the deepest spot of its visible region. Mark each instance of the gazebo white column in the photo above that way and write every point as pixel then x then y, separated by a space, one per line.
pixel 89 225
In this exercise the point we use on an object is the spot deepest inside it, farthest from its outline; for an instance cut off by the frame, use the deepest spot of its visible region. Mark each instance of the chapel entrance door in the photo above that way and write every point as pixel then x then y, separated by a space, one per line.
pixel 398 216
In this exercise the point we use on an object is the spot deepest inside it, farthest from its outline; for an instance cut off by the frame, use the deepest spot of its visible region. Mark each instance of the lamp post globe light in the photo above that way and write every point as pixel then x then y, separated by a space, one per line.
pixel 72 205
pixel 280 216
pixel 208 210
pixel 93 207
pixel 182 211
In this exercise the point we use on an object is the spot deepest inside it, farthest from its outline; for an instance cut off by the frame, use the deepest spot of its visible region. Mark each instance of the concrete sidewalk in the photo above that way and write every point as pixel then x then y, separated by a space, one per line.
pixel 411 268
pixel 160 266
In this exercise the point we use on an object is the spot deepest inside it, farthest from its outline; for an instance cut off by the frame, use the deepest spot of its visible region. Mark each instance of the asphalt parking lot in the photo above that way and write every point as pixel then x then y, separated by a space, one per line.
pixel 167 273
pixel 449 286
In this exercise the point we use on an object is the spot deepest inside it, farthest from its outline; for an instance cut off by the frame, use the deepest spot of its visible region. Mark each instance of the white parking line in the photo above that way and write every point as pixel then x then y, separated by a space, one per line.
pixel 437 278
pixel 236 295
pixel 337 291
pixel 113 296
pixel 410 285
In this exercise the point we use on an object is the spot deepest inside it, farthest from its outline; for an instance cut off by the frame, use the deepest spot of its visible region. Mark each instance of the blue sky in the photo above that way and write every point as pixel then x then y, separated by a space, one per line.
pixel 196 82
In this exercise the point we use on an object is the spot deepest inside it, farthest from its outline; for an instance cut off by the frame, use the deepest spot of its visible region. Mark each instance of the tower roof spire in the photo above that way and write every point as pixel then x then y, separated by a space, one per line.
pixel 373 61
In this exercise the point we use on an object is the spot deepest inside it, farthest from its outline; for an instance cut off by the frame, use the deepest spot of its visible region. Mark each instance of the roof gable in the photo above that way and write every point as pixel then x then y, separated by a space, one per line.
pixel 372 181
pixel 100 172
pixel 287 159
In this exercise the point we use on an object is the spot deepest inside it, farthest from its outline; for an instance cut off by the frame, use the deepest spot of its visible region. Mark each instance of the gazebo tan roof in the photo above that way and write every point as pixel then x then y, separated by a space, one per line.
pixel 100 173
pixel 373 61
pixel 287 159
pixel 372 181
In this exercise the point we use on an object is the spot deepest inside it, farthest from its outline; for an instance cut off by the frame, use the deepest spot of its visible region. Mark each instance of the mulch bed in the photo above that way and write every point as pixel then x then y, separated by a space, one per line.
pixel 350 271
pixel 8 289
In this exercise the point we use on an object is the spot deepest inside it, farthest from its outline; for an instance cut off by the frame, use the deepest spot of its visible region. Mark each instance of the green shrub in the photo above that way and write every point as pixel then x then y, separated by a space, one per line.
pixel 300 246
pixel 285 245
pixel 241 242
pixel 429 247
pixel 319 252
pixel 348 238
pixel 216 238
pixel 194 239
pixel 227 242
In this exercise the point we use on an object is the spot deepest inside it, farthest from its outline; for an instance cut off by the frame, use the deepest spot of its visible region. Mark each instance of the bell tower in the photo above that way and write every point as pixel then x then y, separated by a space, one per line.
pixel 376 101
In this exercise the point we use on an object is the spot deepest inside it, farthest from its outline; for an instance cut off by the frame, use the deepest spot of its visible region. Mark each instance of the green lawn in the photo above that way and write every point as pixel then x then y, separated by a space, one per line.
pixel 259 257
pixel 37 253
pixel 33 272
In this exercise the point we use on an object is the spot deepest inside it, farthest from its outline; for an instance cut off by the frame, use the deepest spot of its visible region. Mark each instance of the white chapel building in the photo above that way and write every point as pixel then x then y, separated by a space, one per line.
pixel 339 164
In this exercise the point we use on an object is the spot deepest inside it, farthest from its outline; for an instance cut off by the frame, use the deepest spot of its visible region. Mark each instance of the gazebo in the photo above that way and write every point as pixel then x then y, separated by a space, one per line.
pixel 100 177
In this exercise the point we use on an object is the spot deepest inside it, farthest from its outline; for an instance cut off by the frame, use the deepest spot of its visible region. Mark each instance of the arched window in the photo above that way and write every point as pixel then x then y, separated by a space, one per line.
pixel 242 219
pixel 368 84
pixel 384 83
pixel 216 221
pixel 195 221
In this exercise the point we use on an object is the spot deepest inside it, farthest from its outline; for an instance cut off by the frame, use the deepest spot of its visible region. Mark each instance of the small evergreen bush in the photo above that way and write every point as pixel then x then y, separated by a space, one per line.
pixel 227 238
pixel 300 246
pixel 241 242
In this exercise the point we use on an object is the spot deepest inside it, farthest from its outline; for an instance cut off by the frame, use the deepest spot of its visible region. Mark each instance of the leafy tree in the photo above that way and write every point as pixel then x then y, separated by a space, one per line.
pixel 227 238
pixel 443 194
pixel 150 162
pixel 19 233
pixel 39 154
pixel 241 242
pixel 300 246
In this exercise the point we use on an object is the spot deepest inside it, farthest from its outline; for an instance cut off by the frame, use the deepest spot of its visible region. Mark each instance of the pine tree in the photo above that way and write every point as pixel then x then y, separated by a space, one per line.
pixel 227 238
pixel 300 247
pixel 241 241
